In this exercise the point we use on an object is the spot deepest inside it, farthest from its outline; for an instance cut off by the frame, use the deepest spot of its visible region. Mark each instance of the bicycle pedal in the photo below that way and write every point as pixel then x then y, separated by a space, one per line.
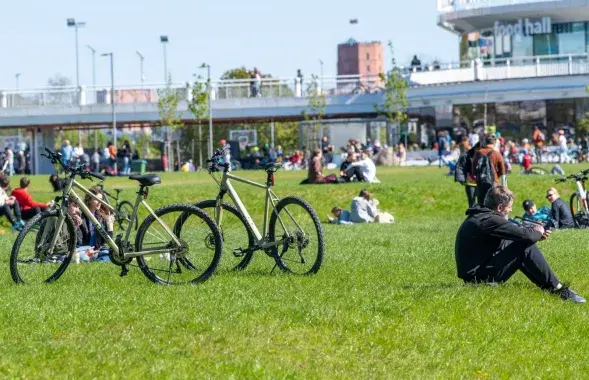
pixel 238 252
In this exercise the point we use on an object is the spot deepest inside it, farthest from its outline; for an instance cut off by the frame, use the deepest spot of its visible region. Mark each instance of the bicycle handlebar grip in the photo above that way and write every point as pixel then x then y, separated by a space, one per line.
pixel 97 176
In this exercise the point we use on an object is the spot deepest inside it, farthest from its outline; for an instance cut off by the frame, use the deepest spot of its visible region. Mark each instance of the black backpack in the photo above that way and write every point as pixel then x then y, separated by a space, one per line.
pixel 463 165
pixel 483 171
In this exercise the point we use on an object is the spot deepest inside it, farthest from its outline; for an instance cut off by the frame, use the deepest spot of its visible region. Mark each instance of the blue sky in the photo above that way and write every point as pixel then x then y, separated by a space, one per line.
pixel 276 36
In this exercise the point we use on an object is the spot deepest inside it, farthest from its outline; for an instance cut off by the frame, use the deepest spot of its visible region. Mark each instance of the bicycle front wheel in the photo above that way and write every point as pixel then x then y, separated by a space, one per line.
pixel 238 237
pixel 195 255
pixel 296 229
pixel 30 260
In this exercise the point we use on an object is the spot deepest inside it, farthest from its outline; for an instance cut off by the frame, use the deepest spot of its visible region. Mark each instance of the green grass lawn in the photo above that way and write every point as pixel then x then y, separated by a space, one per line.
pixel 385 304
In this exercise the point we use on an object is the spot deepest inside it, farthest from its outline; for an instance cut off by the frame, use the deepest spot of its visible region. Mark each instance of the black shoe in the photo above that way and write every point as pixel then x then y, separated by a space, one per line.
pixel 569 295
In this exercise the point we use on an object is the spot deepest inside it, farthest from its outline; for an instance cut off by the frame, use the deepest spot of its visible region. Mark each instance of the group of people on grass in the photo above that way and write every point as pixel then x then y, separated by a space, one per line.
pixel 357 167
pixel 19 206
pixel 364 209
pixel 490 247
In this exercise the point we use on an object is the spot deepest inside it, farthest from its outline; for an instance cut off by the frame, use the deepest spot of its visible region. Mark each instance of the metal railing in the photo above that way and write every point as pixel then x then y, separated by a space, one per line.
pixel 423 75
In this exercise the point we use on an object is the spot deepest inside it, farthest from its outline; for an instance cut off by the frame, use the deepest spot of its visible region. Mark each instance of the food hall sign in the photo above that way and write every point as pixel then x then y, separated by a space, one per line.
pixel 524 27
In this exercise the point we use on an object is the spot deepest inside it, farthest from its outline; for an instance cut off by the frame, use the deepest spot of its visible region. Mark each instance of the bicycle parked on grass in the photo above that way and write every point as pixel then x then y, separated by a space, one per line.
pixel 292 233
pixel 166 245
pixel 124 208
pixel 578 201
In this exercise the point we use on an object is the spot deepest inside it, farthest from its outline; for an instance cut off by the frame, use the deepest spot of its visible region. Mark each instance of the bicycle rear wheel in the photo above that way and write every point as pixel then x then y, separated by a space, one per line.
pixel 30 261
pixel 577 209
pixel 237 235
pixel 296 229
pixel 198 254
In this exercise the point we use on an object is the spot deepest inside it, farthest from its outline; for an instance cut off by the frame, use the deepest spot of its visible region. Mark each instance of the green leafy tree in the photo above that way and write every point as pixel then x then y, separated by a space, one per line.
pixel 198 106
pixel 395 94
pixel 167 105
pixel 315 112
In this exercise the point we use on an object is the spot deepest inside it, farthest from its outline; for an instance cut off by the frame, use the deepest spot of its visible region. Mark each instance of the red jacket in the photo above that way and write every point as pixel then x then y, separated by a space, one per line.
pixel 25 200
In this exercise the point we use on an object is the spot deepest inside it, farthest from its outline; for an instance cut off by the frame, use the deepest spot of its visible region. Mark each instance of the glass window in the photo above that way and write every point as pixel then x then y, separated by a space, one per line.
pixel 522 46
pixel 572 39
pixel 546 44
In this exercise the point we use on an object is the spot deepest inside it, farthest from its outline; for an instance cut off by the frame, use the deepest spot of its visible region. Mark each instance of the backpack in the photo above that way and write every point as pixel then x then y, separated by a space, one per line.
pixel 462 167
pixel 483 171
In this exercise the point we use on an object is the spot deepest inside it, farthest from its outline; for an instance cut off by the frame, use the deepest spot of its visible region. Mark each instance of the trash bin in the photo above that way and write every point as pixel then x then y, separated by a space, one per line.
pixel 139 166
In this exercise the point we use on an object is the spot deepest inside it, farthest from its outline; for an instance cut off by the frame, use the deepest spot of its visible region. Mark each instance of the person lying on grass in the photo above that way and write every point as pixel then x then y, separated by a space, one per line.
pixel 364 209
pixel 490 249
pixel 532 213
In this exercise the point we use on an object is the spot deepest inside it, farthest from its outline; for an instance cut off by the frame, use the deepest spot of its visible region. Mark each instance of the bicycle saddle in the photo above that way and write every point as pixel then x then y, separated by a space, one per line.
pixel 272 167
pixel 146 179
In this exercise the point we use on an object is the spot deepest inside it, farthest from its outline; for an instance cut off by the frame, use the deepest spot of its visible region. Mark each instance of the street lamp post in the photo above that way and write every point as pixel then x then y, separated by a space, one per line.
pixel 164 41
pixel 210 111
pixel 141 59
pixel 71 23
pixel 14 96
pixel 112 97
pixel 94 88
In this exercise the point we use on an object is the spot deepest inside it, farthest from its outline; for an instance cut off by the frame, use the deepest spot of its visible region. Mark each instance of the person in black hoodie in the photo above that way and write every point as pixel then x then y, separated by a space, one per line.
pixel 490 249
pixel 560 213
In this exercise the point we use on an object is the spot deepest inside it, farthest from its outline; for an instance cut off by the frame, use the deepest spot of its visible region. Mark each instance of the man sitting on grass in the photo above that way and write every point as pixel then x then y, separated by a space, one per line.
pixel 490 249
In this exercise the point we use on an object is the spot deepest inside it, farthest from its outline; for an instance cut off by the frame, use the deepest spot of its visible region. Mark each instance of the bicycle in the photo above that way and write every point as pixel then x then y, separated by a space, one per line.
pixel 169 235
pixel 124 209
pixel 578 202
pixel 291 226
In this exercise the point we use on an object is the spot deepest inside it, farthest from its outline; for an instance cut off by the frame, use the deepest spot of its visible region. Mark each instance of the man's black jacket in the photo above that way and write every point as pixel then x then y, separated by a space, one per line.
pixel 480 237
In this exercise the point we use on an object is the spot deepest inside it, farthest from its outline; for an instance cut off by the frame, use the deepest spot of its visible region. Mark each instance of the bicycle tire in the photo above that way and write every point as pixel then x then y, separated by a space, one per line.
pixel 128 206
pixel 576 207
pixel 212 237
pixel 208 206
pixel 31 227
pixel 279 257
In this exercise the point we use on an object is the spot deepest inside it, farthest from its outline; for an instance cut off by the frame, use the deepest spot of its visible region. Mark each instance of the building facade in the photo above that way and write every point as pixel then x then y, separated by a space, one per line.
pixel 501 29
pixel 359 58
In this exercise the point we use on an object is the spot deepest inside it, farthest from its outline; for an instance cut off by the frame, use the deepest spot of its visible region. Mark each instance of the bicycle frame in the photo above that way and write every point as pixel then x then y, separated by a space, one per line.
pixel 582 194
pixel 72 195
pixel 270 199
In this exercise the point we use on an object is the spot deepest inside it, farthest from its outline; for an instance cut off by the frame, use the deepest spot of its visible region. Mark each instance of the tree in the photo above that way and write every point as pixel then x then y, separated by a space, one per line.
pixel 60 96
pixel 315 111
pixel 238 73
pixel 198 106
pixel 395 94
pixel 167 106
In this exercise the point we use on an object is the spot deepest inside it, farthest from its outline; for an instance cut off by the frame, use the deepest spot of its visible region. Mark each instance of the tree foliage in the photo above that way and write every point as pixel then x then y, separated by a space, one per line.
pixel 315 111
pixel 395 93
pixel 167 106
pixel 192 142
pixel 59 96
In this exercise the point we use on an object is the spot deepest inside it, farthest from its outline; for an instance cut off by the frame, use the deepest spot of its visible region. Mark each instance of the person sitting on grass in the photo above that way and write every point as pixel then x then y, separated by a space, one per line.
pixel 364 169
pixel 315 171
pixel 29 207
pixel 531 213
pixel 90 237
pixel 490 249
pixel 339 216
pixel 9 205
pixel 560 213
pixel 344 175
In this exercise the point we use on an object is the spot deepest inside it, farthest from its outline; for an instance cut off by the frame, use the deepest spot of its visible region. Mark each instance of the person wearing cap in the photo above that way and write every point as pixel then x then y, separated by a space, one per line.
pixel 496 161
pixel 560 213
pixel 532 213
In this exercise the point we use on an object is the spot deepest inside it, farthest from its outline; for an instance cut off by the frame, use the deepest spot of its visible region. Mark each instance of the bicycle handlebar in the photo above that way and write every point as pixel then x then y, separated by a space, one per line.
pixel 214 164
pixel 76 169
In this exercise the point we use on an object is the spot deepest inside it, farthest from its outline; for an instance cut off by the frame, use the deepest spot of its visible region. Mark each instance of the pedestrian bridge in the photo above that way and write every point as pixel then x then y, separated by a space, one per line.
pixel 435 85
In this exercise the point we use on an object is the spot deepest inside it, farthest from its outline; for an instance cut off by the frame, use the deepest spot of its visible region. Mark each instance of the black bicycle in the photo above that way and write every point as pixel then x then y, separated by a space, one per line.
pixel 124 208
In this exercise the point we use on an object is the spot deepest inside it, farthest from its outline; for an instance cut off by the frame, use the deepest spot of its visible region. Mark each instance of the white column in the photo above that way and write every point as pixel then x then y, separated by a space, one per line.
pixel 3 99
pixel 298 88
pixel 82 95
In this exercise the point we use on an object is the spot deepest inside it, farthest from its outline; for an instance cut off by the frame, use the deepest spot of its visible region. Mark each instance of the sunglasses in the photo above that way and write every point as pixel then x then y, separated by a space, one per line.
pixel 549 195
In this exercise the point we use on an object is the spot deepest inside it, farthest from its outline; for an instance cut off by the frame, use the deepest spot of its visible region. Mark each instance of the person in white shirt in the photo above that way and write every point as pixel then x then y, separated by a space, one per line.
pixel 9 206
pixel 364 169
pixel 363 210
pixel 78 151
pixel 10 159
pixel 562 146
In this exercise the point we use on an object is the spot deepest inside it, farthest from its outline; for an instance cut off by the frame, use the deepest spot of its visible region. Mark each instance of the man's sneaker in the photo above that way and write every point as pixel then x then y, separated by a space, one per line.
pixel 17 227
pixel 569 295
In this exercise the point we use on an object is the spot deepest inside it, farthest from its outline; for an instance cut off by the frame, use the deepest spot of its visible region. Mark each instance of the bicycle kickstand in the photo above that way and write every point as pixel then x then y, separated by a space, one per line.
pixel 124 270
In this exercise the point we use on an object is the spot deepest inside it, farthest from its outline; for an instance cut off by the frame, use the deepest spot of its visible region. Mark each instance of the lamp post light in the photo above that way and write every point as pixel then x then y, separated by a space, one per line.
pixel 71 23
pixel 112 97
pixel 321 72
pixel 141 59
pixel 164 41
